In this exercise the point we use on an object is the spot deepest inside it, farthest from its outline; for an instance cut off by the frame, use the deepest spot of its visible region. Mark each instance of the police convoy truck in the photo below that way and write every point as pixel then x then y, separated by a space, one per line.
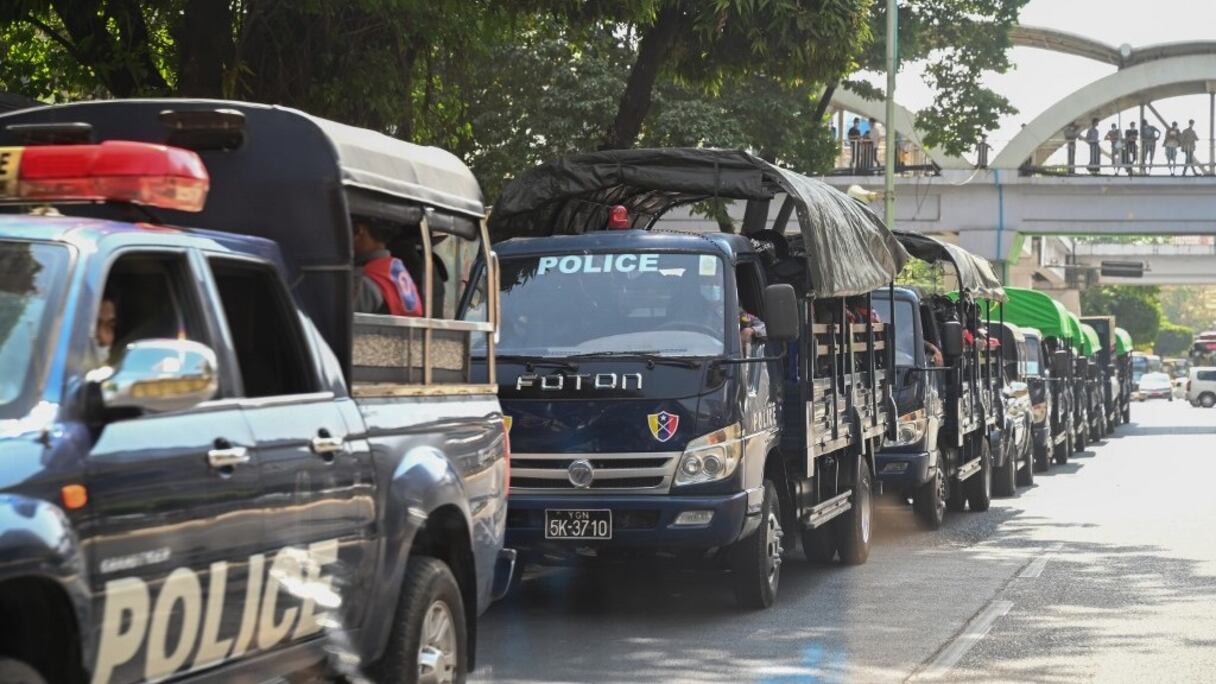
pixel 210 468
pixel 707 397
pixel 1106 359
pixel 947 388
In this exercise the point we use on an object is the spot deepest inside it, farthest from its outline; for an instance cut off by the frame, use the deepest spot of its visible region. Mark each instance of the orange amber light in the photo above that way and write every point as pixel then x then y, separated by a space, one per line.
pixel 74 496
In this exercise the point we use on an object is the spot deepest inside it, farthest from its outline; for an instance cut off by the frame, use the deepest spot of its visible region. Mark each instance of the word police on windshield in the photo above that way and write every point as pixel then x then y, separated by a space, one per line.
pixel 599 263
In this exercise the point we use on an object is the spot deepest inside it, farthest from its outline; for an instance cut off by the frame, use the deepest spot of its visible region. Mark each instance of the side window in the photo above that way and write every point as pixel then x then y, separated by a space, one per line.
pixel 453 259
pixel 750 297
pixel 1207 375
pixel 147 295
pixel 265 330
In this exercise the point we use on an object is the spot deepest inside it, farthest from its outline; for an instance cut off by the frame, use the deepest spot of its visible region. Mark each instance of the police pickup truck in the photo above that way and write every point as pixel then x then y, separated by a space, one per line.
pixel 705 397
pixel 210 468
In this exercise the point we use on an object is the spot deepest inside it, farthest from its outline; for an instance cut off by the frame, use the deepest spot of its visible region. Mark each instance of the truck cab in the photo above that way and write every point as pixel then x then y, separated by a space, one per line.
pixel 214 468
pixel 1037 376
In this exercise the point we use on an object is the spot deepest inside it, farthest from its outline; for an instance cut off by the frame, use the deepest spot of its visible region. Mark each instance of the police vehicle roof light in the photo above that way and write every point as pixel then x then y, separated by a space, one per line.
pixel 618 218
pixel 113 171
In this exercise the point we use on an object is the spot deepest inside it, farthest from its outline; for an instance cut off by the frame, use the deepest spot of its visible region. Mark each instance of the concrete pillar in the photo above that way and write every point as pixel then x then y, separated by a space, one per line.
pixel 1211 130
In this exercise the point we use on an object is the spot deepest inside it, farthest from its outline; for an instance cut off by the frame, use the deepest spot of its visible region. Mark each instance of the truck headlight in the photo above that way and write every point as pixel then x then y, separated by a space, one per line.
pixel 711 457
pixel 911 428
pixel 1039 411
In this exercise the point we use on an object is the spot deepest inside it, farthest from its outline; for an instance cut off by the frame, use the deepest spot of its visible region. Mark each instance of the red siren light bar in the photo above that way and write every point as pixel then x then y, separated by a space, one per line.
pixel 113 171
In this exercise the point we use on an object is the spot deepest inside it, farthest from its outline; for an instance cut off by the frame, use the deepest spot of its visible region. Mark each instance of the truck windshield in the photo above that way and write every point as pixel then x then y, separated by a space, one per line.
pixel 1034 350
pixel 31 280
pixel 905 341
pixel 669 304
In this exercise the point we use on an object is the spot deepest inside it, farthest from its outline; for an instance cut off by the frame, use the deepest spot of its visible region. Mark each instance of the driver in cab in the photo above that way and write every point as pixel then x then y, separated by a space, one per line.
pixel 383 285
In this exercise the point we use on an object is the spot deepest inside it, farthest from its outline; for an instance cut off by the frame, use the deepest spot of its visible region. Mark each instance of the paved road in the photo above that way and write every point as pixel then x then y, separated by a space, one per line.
pixel 1104 570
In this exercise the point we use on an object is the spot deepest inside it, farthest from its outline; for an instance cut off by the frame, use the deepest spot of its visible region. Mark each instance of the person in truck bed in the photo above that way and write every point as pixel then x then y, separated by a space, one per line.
pixel 384 285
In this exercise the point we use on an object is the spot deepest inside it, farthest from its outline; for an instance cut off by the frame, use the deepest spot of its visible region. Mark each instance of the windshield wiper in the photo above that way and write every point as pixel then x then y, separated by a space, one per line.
pixel 531 361
pixel 651 357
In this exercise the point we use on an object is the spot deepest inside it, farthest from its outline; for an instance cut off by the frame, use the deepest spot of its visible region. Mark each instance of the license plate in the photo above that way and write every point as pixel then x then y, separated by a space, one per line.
pixel 578 524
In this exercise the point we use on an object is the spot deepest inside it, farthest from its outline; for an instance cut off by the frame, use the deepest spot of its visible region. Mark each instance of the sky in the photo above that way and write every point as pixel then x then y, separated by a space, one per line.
pixel 1041 78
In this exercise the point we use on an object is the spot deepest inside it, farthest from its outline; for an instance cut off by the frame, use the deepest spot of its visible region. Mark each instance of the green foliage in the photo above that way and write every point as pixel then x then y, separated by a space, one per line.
pixel 1188 305
pixel 957 41
pixel 1173 340
pixel 921 275
pixel 1136 309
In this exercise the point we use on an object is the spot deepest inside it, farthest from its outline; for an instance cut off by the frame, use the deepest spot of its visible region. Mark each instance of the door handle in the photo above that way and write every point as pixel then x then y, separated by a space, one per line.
pixel 228 457
pixel 327 445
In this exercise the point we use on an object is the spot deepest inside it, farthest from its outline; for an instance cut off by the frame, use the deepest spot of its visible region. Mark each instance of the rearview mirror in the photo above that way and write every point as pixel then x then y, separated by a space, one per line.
pixel 159 375
pixel 1061 363
pixel 952 339
pixel 781 312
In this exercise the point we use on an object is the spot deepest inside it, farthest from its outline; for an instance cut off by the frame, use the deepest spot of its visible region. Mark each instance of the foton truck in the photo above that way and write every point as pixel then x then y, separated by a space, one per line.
pixel 705 397
pixel 210 467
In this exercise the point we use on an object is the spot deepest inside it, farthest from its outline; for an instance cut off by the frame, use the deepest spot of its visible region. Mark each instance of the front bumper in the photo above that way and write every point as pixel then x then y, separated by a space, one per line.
pixel 638 522
pixel 898 469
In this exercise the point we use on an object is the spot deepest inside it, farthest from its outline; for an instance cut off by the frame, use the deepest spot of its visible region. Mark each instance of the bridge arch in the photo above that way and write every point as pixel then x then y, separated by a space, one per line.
pixel 905 125
pixel 1147 81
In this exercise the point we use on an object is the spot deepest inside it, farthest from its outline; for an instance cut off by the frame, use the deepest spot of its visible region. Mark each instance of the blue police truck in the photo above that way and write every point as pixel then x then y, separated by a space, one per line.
pixel 702 397
pixel 211 468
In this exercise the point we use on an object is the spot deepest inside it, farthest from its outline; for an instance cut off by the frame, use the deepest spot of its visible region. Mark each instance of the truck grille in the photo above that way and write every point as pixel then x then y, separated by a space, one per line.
pixel 625 473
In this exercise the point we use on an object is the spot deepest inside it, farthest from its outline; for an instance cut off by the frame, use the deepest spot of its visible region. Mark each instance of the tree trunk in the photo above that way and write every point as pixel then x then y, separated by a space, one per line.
pixel 205 48
pixel 821 107
pixel 635 101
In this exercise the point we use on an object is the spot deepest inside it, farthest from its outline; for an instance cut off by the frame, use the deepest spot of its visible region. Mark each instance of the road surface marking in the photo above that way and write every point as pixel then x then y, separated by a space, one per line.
pixel 954 651
pixel 1035 567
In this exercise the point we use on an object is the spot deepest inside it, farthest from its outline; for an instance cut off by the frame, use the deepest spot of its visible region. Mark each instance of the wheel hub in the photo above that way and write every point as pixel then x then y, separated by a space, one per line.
pixel 772 538
pixel 437 646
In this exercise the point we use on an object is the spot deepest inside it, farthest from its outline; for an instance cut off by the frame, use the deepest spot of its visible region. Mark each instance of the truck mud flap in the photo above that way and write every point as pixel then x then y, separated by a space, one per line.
pixel 968 469
pixel 823 513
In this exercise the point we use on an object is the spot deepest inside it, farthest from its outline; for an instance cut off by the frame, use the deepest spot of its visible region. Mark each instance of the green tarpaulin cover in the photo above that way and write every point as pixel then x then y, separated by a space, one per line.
pixel 1034 309
pixel 1123 342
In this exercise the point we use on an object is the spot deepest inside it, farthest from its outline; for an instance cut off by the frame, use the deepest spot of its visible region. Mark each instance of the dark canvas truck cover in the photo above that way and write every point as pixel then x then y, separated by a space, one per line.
pixel 975 274
pixel 292 178
pixel 848 249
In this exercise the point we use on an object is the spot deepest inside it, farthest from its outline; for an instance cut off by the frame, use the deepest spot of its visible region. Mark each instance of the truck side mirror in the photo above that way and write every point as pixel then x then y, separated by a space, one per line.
pixel 952 339
pixel 159 375
pixel 781 312
pixel 1061 363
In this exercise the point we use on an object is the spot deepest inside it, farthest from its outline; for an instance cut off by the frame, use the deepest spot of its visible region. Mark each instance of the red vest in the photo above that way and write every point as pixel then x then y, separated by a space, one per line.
pixel 395 285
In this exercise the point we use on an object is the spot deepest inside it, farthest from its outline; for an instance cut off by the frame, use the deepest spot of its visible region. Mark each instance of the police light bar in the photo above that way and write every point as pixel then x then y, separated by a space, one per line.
pixel 113 171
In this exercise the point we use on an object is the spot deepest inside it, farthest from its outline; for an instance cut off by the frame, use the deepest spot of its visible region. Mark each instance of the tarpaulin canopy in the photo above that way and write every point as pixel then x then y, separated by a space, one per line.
pixel 1123 342
pixel 1074 324
pixel 1033 309
pixel 1089 340
pixel 848 249
pixel 975 274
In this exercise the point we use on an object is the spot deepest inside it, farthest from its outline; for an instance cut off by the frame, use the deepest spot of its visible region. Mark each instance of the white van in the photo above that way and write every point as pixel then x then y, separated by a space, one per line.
pixel 1201 387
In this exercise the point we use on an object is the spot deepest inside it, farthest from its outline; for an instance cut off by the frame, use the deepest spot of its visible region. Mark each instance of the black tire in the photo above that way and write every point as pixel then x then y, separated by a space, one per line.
pixel 979 485
pixel 854 529
pixel 1041 456
pixel 429 596
pixel 1005 479
pixel 819 545
pixel 929 500
pixel 13 671
pixel 1082 435
pixel 1064 449
pixel 756 560
pixel 1127 413
pixel 1207 400
pixel 1026 472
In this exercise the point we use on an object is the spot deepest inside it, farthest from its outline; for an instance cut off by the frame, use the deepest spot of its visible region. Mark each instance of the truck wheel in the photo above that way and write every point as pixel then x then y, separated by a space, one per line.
pixel 819 545
pixel 1042 455
pixel 853 528
pixel 756 560
pixel 979 485
pixel 429 636
pixel 1064 449
pixel 1026 472
pixel 1207 400
pixel 1127 412
pixel 1005 482
pixel 13 671
pixel 929 500
pixel 1082 437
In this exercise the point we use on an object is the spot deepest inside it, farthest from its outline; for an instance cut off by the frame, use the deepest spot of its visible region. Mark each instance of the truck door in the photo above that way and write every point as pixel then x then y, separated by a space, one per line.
pixel 173 525
pixel 317 483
